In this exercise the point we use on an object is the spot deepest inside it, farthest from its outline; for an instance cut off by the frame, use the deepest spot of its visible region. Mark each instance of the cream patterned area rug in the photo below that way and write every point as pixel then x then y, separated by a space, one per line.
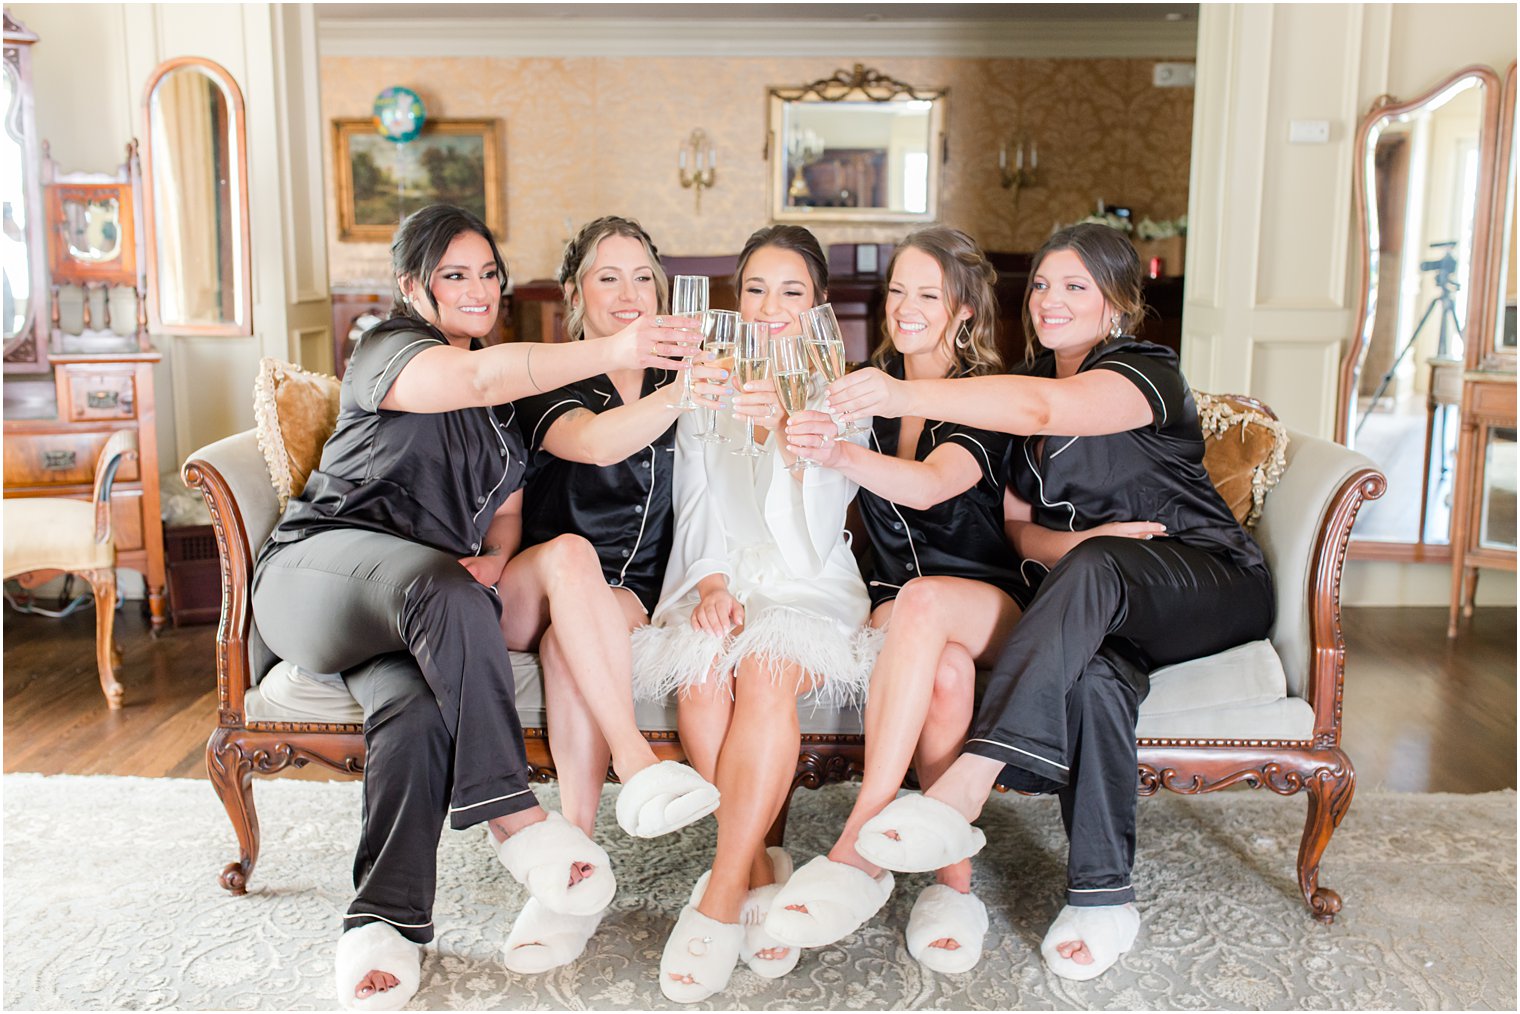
pixel 111 902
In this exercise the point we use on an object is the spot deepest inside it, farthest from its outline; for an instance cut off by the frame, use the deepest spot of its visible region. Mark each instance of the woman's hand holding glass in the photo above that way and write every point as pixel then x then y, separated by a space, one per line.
pixel 660 343
pixel 791 372
pixel 719 327
pixel 755 396
pixel 812 436
pixel 688 298
pixel 825 343
pixel 867 392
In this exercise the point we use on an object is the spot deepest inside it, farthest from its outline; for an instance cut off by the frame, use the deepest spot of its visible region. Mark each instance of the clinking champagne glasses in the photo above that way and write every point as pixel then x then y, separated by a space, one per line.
pixel 718 326
pixel 688 298
pixel 751 362
pixel 791 372
pixel 825 344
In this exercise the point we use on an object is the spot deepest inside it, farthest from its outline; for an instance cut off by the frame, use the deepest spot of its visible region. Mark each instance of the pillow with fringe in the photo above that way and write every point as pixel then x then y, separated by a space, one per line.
pixel 294 412
pixel 1245 449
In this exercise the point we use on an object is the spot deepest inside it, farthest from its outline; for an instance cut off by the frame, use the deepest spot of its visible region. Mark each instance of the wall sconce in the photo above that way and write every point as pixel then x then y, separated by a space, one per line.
pixel 1026 160
pixel 699 152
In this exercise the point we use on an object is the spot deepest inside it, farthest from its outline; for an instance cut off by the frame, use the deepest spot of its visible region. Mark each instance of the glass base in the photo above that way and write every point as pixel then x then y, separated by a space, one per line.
pixel 747 451
pixel 712 438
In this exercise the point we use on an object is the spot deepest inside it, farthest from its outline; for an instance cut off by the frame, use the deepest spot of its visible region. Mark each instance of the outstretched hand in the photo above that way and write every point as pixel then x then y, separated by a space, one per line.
pixel 662 343
pixel 814 436
pixel 866 392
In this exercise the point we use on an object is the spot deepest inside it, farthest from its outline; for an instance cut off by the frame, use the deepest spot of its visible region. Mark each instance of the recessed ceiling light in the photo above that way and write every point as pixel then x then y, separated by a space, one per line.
pixel 1174 15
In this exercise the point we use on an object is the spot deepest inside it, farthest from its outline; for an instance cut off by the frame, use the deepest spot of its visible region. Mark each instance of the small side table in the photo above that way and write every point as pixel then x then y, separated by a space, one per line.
pixel 1479 535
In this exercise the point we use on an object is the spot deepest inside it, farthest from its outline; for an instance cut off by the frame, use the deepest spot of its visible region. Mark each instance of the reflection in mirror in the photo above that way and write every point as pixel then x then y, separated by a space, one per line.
pixel 858 146
pixel 1504 327
pixel 13 182
pixel 92 229
pixel 1496 525
pixel 1425 168
pixel 198 192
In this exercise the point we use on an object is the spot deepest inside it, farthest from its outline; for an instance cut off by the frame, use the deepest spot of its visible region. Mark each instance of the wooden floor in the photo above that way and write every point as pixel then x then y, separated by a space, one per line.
pixel 1423 714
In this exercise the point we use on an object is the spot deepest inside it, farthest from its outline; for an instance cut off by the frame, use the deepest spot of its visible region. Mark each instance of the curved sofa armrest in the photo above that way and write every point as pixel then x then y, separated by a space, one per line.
pixel 1303 531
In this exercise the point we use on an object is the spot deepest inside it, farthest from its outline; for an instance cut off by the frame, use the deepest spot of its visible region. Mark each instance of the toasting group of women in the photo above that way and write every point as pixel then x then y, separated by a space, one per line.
pixel 1049 521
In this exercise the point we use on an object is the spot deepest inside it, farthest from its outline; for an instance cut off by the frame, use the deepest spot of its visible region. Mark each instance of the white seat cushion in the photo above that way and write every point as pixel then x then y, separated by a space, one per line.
pixel 51 533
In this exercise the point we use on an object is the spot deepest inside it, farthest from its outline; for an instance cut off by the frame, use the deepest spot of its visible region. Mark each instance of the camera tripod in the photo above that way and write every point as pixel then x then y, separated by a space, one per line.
pixel 1442 304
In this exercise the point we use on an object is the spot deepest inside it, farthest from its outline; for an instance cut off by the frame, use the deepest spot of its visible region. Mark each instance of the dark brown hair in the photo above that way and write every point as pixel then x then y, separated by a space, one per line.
pixel 799 241
pixel 580 254
pixel 1110 258
pixel 969 280
pixel 420 243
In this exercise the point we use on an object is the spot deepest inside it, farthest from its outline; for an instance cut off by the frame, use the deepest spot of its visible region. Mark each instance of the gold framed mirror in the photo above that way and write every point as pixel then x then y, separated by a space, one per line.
pixel 856 147
pixel 1423 191
pixel 196 164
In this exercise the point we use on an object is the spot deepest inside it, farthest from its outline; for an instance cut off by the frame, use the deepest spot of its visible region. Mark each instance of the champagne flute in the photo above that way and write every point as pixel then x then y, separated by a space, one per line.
pixel 688 298
pixel 751 362
pixel 826 345
pixel 790 370
pixel 718 326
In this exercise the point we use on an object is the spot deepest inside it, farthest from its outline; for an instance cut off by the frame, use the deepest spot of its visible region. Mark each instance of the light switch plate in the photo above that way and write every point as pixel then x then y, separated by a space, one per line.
pixel 1174 75
pixel 1309 131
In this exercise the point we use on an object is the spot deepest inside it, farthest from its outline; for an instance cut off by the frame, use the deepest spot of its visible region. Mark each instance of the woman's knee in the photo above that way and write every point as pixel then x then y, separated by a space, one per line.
pixel 955 677
pixel 1091 562
pixel 920 601
pixel 569 558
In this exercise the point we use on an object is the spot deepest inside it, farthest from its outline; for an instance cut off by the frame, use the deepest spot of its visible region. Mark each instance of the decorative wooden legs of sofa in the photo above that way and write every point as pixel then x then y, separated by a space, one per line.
pixel 231 774
pixel 1330 789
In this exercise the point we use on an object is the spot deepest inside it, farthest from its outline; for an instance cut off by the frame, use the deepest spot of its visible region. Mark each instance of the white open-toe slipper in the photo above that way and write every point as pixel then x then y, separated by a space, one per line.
pixel 539 858
pixel 839 898
pixel 941 912
pixel 377 947
pixel 701 950
pixel 664 797
pixel 916 834
pixel 542 939
pixel 1107 930
pixel 757 905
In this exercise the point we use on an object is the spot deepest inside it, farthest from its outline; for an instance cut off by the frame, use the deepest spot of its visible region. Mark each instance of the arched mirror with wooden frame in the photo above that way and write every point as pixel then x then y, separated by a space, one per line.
pixel 24 263
pixel 1423 192
pixel 196 165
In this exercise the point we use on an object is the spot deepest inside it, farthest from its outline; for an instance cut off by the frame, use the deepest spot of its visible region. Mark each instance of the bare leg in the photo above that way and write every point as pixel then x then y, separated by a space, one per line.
pixel 561 582
pixel 703 714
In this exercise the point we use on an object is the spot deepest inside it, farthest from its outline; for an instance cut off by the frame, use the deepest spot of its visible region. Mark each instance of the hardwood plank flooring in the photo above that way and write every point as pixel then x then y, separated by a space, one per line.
pixel 1423 714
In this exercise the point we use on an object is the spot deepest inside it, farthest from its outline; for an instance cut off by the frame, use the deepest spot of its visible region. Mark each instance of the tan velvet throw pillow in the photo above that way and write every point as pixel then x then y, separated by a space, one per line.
pixel 1245 451
pixel 294 412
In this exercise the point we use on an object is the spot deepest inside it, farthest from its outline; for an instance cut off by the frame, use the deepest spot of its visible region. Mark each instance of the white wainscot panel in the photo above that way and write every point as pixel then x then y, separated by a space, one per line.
pixel 1298 379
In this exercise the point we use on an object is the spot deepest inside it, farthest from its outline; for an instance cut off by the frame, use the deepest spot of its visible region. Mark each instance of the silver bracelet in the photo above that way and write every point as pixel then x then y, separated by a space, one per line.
pixel 528 364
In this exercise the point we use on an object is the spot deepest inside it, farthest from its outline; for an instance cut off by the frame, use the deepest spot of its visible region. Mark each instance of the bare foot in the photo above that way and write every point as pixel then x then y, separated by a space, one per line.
pixel 1075 950
pixel 375 982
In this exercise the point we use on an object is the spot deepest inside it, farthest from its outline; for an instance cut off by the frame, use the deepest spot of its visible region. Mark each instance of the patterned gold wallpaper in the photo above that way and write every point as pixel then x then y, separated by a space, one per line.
pixel 593 136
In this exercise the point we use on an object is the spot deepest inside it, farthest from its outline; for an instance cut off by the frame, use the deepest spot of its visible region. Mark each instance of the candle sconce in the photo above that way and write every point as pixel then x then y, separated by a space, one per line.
pixel 1025 158
pixel 699 153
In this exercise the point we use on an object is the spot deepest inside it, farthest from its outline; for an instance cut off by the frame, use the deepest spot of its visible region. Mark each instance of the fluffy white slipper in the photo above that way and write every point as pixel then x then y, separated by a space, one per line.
pixel 1107 930
pixel 539 858
pixel 703 950
pixel 943 912
pixel 930 835
pixel 757 905
pixel 377 947
pixel 542 939
pixel 664 797
pixel 839 899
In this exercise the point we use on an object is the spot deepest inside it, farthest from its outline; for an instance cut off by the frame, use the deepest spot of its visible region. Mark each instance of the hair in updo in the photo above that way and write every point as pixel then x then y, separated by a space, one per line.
pixel 420 243
pixel 580 254
pixel 969 281
pixel 800 242
pixel 1110 258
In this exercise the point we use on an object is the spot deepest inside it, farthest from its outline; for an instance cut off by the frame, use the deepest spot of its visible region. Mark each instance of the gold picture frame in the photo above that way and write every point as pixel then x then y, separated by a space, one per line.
pixel 380 181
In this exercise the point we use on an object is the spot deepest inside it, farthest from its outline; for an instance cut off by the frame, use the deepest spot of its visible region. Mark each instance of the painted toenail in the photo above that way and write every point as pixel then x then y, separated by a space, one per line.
pixel 893 835
pixel 798 908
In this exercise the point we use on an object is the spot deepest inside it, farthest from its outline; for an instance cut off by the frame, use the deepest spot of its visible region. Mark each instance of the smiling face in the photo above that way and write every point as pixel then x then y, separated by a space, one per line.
pixel 466 285
pixel 919 317
pixel 617 288
pixel 1069 312
pixel 775 288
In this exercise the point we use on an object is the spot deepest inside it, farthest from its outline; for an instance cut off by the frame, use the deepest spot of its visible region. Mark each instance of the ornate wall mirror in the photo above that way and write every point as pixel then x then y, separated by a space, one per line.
pixel 1423 188
pixel 197 169
pixel 856 147
pixel 1501 351
pixel 22 239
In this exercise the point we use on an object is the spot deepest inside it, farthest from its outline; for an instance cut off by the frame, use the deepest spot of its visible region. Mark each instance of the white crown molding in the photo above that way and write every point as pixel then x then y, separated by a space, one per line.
pixel 646 37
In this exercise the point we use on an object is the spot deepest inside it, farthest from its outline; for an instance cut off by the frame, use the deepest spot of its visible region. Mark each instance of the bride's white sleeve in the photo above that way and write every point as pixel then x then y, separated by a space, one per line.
pixel 806 518
pixel 698 546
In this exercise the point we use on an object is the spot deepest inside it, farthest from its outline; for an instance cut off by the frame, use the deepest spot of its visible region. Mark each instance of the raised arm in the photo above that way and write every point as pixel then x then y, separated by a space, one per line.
pixel 605 438
pixel 1089 404
pixel 948 471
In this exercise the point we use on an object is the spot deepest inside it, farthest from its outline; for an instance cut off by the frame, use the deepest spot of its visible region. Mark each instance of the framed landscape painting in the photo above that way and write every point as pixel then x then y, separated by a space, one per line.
pixel 381 182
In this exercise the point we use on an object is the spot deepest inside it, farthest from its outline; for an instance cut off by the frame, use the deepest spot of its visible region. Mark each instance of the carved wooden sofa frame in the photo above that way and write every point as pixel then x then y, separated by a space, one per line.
pixel 1304 530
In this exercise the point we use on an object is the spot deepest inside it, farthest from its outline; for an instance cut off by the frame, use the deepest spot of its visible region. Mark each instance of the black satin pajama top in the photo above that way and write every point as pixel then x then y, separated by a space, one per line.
pixel 623 510
pixel 961 537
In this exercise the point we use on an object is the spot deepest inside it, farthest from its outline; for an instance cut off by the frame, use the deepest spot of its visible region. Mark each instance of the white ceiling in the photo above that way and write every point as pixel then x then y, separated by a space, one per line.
pixel 867 12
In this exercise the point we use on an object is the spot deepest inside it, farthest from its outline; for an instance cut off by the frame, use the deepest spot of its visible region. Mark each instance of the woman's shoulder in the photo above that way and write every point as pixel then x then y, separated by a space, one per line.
pixel 1132 348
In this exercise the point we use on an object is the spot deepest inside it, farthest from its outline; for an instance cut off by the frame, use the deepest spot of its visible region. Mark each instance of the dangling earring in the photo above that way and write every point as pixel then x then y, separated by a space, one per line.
pixel 1115 331
pixel 963 333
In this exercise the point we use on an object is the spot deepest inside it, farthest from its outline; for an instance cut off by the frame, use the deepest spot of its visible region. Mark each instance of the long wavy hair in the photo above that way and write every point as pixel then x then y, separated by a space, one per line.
pixel 1110 258
pixel 969 281
pixel 420 243
pixel 580 254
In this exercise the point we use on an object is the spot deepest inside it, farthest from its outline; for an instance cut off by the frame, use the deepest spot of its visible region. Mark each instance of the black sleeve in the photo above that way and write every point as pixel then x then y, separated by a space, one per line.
pixel 988 447
pixel 1158 379
pixel 377 362
pixel 537 412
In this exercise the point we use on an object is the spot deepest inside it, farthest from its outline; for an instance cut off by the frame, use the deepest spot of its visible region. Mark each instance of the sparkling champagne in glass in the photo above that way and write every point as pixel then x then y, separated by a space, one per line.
pixel 751 362
pixel 826 346
pixel 718 327
pixel 790 370
pixel 688 298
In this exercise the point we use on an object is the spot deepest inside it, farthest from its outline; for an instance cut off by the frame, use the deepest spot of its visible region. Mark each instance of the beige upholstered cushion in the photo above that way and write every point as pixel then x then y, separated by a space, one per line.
pixel 51 533
pixel 1244 451
pixel 1241 693
pixel 295 412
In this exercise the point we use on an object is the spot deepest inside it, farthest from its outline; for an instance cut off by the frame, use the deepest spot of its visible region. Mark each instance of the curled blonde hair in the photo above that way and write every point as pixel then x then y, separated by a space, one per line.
pixel 580 254
pixel 969 280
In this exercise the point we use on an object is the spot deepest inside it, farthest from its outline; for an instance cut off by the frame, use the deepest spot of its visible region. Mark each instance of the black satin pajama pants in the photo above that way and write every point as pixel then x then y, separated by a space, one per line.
pixel 418 642
pixel 1061 705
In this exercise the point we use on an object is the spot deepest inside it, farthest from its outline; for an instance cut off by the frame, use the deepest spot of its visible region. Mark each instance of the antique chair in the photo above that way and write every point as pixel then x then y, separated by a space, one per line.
pixel 1266 714
pixel 48 533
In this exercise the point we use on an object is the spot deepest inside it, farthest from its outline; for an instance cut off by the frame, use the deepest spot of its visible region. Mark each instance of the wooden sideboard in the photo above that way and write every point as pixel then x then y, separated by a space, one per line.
pixel 1488 417
pixel 53 454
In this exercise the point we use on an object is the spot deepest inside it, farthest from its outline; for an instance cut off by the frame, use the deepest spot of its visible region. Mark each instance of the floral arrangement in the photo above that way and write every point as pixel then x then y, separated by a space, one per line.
pixel 1110 220
pixel 1164 229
